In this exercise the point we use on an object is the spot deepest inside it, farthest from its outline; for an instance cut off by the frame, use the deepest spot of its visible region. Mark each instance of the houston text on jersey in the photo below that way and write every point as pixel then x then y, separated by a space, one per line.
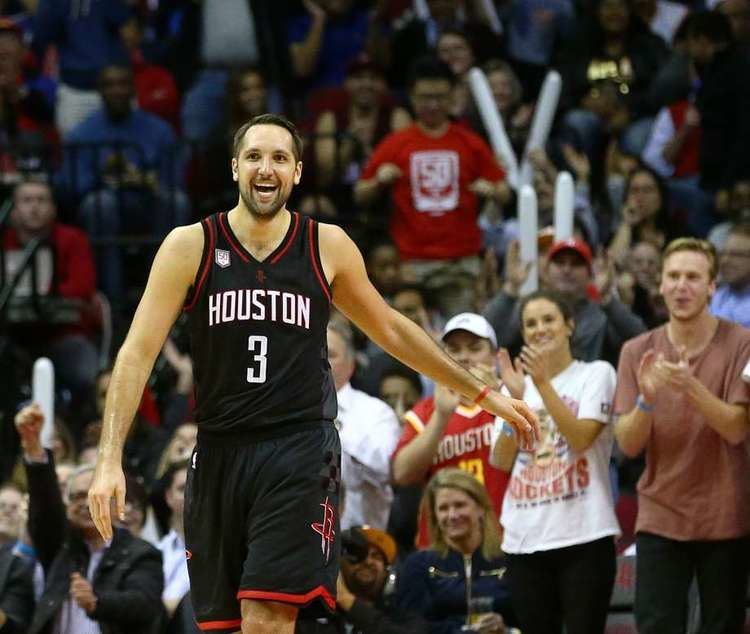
pixel 259 304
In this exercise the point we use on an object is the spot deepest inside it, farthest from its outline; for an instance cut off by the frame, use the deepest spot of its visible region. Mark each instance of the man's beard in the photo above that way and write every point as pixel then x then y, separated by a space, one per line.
pixel 267 213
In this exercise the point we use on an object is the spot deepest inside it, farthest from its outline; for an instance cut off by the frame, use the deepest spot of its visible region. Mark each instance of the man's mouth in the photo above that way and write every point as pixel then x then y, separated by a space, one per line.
pixel 264 190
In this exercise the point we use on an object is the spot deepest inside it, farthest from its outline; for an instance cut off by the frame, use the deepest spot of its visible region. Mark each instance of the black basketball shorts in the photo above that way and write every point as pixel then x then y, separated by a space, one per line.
pixel 261 522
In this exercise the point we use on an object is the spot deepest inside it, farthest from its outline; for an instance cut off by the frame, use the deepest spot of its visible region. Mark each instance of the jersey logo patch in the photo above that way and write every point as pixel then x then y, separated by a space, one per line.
pixel 222 258
pixel 325 529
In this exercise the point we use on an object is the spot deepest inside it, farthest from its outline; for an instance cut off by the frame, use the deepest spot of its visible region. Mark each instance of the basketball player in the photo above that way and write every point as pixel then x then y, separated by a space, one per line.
pixel 261 518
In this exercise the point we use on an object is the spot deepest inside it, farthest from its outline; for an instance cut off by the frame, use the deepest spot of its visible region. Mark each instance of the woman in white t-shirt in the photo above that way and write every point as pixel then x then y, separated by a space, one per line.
pixel 558 515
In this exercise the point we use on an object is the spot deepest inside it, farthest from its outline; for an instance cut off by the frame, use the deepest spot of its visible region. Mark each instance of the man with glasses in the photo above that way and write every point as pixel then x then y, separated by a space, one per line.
pixel 732 298
pixel 90 586
pixel 436 171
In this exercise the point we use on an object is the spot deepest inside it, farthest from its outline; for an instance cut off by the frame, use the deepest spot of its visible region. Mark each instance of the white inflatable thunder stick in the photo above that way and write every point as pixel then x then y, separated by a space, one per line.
pixel 493 122
pixel 541 124
pixel 43 393
pixel 564 206
pixel 491 12
pixel 421 10
pixel 527 216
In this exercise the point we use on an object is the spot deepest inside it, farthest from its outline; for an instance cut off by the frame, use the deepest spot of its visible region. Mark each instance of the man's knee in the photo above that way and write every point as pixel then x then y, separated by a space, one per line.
pixel 267 617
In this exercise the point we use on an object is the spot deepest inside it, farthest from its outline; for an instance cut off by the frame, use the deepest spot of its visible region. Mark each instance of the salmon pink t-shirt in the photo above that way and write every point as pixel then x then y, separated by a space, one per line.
pixel 696 485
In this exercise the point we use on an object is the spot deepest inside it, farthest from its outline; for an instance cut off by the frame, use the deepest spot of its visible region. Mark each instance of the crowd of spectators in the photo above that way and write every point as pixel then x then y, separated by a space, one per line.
pixel 116 124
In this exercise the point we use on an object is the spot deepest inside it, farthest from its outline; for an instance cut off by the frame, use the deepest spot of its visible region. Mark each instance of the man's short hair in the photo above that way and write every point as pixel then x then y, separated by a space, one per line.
pixel 696 245
pixel 268 119
pixel 80 469
pixel 398 369
pixel 712 25
pixel 430 67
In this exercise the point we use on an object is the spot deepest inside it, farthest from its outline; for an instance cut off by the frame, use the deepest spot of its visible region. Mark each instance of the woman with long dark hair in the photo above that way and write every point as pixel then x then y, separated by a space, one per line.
pixel 558 514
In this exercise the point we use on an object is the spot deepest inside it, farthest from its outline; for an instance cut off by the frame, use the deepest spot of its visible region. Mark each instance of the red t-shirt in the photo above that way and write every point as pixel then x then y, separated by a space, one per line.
pixel 466 444
pixel 74 274
pixel 435 214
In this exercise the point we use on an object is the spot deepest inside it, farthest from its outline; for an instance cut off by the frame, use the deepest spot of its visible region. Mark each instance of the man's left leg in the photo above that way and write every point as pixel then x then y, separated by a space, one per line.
pixel 267 617
pixel 722 573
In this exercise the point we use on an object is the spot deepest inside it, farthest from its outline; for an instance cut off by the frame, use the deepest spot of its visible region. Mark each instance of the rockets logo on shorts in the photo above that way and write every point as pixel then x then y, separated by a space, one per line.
pixel 222 258
pixel 325 529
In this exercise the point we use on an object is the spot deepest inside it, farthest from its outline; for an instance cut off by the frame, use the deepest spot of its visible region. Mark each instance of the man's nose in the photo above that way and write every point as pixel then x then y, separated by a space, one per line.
pixel 265 165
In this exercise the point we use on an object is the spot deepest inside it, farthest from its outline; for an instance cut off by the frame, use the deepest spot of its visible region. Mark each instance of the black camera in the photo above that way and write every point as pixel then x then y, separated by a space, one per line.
pixel 354 545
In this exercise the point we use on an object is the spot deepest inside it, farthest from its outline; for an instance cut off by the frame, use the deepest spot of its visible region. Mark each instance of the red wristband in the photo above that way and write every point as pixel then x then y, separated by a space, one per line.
pixel 482 395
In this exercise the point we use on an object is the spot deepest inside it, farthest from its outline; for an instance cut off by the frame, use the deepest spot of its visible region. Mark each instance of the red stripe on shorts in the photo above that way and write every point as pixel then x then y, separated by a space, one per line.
pixel 219 625
pixel 318 593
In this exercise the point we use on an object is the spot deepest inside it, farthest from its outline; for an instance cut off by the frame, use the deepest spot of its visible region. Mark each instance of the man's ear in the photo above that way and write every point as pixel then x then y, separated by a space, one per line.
pixel 235 173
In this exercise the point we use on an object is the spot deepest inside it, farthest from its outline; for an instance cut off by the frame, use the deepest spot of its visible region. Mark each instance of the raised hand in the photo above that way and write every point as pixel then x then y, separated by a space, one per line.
pixel 649 376
pixel 314 9
pixel 678 375
pixel 534 362
pixel 446 401
pixel 490 623
pixel 388 173
pixel 511 372
pixel 28 422
pixel 516 270
pixel 604 275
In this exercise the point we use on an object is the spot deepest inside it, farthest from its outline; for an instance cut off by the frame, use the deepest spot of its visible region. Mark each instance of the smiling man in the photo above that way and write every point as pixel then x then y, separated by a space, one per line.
pixel 266 466
pixel 680 398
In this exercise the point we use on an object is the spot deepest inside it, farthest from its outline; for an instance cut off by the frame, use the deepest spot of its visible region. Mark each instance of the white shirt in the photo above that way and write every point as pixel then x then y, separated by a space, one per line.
pixel 557 497
pixel 662 132
pixel 176 581
pixel 667 19
pixel 369 431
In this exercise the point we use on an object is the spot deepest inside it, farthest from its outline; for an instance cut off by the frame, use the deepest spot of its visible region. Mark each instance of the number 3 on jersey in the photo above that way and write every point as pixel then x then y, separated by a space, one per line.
pixel 258 345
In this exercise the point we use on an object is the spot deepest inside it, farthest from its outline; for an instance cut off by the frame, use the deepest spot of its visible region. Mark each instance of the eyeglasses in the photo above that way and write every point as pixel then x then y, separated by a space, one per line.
pixel 77 497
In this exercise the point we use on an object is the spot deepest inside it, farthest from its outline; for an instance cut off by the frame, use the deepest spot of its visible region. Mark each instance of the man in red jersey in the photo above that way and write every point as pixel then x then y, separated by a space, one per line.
pixel 436 170
pixel 449 430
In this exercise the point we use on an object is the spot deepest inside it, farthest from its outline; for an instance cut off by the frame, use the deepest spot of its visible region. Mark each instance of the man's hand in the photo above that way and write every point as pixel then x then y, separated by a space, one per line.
pixel 535 363
pixel 314 9
pixel 29 423
pixel 388 173
pixel 490 623
pixel 516 413
pixel 446 401
pixel 82 593
pixel 678 375
pixel 578 162
pixel 482 187
pixel 692 117
pixel 650 377
pixel 516 270
pixel 344 597
pixel 511 373
pixel 109 482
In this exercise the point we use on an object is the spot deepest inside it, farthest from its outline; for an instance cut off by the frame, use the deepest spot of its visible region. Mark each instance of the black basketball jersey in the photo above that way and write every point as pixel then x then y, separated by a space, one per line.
pixel 258 332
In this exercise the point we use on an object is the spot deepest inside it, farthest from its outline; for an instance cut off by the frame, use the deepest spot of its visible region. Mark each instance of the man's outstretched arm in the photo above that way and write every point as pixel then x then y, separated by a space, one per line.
pixel 172 273
pixel 358 299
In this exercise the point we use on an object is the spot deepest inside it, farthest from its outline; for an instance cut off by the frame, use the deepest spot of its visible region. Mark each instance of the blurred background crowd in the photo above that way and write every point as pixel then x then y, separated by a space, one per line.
pixel 116 124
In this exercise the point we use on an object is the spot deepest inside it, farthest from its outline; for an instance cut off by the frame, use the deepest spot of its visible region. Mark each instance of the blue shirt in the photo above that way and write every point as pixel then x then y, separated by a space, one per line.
pixel 732 305
pixel 344 38
pixel 142 139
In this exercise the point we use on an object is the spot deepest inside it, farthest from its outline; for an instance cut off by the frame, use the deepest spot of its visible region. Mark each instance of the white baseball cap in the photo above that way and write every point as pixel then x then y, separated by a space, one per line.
pixel 473 323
